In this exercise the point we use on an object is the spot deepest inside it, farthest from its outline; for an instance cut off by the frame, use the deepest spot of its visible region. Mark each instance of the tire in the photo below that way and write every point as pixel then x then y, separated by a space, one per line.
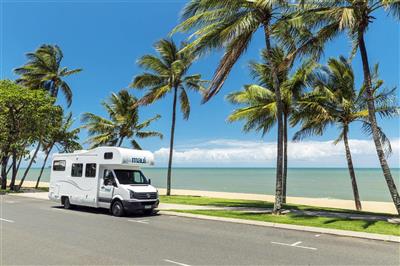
pixel 117 209
pixel 148 212
pixel 67 203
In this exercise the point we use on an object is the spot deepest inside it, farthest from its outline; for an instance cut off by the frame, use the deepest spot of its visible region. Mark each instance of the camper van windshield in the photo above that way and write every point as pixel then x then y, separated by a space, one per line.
pixel 130 177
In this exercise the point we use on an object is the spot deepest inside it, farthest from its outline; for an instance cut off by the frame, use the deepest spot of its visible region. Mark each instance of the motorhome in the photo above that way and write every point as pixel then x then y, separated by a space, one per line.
pixel 104 177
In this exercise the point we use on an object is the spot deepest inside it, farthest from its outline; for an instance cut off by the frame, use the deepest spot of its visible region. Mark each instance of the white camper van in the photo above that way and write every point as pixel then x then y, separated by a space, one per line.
pixel 105 177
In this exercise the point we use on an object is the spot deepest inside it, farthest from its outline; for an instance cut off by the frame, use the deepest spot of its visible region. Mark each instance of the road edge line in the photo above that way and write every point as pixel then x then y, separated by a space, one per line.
pixel 329 231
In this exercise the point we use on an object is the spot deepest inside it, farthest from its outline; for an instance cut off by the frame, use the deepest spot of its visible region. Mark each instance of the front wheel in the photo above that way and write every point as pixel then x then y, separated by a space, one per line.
pixel 117 209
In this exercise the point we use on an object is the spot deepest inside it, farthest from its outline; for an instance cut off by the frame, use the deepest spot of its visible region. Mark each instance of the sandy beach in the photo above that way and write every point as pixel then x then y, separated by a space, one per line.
pixel 370 206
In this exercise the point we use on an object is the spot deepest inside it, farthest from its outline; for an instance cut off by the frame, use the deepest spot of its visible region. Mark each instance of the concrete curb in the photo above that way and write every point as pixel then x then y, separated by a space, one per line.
pixel 289 226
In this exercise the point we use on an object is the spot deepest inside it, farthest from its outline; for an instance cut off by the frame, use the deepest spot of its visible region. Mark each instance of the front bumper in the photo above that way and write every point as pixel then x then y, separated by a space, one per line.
pixel 131 206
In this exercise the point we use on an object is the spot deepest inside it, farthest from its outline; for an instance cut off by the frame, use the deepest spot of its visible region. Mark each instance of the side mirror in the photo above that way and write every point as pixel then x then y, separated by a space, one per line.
pixel 149 181
pixel 114 184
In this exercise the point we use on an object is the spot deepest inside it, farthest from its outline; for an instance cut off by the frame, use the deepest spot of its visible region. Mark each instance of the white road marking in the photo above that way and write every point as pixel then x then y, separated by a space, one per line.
pixel 5 220
pixel 177 263
pixel 11 201
pixel 140 221
pixel 296 245
pixel 317 235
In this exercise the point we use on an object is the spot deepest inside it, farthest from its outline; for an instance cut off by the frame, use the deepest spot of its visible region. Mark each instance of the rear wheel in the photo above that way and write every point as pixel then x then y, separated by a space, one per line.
pixel 67 203
pixel 117 209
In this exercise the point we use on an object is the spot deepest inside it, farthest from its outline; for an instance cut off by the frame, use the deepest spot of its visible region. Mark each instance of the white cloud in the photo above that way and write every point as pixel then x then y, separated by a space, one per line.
pixel 230 152
pixel 239 153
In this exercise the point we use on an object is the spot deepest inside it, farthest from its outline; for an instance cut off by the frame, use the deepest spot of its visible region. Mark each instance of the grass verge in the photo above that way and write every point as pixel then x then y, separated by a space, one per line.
pixel 377 227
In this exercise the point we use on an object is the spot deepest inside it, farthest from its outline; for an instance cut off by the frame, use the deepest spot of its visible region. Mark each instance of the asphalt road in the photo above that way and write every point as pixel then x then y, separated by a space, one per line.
pixel 39 232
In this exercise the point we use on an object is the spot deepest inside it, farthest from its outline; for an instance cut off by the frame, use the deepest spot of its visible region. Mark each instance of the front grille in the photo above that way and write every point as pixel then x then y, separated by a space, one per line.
pixel 145 195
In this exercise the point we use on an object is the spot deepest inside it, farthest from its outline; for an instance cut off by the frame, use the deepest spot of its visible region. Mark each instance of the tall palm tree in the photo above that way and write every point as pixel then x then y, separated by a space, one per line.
pixel 123 123
pixel 259 102
pixel 168 72
pixel 355 17
pixel 335 101
pixel 44 71
pixel 231 25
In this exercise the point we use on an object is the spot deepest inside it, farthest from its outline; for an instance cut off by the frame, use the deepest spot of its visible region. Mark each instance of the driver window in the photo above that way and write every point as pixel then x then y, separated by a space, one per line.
pixel 137 177
pixel 108 177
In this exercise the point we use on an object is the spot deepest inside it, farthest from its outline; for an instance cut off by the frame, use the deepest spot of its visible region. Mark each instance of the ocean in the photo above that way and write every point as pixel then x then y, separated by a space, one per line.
pixel 302 182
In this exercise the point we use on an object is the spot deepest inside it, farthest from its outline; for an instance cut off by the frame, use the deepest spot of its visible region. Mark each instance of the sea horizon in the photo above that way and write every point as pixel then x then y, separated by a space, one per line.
pixel 316 182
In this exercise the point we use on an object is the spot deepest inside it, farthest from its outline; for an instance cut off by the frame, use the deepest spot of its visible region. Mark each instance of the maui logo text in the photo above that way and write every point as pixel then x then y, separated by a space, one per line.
pixel 139 160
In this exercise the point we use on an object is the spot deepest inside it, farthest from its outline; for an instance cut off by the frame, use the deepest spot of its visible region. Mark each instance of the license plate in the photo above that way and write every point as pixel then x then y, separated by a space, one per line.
pixel 148 206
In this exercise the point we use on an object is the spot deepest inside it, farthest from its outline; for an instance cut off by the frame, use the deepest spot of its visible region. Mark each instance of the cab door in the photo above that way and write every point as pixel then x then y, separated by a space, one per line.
pixel 106 188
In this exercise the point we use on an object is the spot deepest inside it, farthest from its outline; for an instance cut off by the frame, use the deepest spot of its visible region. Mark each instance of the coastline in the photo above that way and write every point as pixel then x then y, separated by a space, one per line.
pixel 310 183
pixel 368 206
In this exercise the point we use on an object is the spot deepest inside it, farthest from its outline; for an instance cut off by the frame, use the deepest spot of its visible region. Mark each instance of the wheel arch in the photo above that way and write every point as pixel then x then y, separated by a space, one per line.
pixel 116 198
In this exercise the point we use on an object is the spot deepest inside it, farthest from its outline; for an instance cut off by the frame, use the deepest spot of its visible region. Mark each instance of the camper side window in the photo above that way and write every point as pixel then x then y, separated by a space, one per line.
pixel 90 170
pixel 59 165
pixel 76 169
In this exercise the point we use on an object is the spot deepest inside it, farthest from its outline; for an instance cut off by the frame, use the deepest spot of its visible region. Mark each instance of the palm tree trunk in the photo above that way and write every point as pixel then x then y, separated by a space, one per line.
pixel 9 168
pixel 351 170
pixel 120 141
pixel 372 119
pixel 285 145
pixel 4 162
pixel 43 165
pixel 279 160
pixel 18 165
pixel 13 132
pixel 19 162
pixel 171 142
pixel 29 165
pixel 14 169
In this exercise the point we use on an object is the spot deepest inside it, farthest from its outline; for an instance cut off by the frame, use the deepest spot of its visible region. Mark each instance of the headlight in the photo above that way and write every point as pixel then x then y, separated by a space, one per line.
pixel 132 194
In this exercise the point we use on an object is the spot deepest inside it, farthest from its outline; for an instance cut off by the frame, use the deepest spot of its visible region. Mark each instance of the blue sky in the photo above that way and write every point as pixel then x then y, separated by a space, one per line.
pixel 106 39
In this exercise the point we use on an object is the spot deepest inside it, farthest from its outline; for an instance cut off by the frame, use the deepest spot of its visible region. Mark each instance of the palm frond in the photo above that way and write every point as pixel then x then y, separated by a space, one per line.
pixel 135 145
pixel 147 134
pixel 387 147
pixel 234 50
pixel 147 122
pixel 184 103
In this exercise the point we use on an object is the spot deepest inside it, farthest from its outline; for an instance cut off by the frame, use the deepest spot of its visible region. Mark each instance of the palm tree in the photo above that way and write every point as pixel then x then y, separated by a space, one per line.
pixel 44 71
pixel 260 108
pixel 168 73
pixel 63 138
pixel 335 101
pixel 231 25
pixel 123 122
pixel 355 16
